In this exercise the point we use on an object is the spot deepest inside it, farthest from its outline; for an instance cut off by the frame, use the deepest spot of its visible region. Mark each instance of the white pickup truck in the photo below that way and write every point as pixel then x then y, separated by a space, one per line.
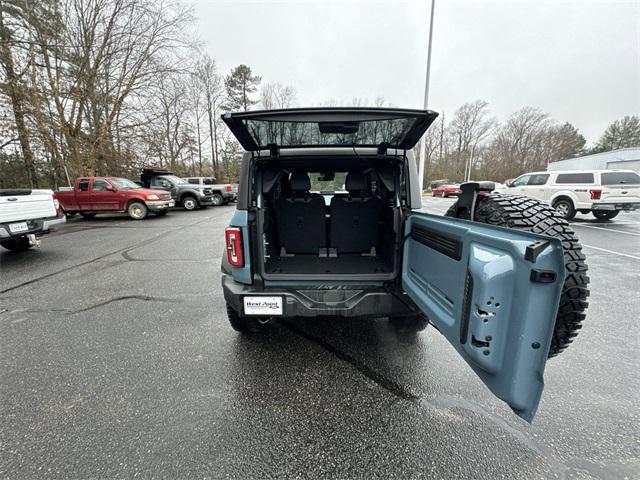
pixel 604 193
pixel 25 215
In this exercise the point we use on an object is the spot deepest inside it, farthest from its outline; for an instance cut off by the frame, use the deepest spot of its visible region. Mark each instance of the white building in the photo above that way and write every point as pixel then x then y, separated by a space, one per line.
pixel 623 159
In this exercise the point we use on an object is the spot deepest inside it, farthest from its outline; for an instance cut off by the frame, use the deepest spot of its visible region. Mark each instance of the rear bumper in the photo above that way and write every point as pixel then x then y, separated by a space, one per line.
pixel 155 205
pixel 615 206
pixel 37 226
pixel 339 301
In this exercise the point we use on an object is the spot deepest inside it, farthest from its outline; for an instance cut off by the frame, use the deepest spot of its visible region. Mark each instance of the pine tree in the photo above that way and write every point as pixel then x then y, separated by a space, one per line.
pixel 240 85
pixel 623 133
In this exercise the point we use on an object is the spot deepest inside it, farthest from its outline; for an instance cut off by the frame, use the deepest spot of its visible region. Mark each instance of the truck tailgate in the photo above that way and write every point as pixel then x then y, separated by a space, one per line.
pixel 620 194
pixel 16 208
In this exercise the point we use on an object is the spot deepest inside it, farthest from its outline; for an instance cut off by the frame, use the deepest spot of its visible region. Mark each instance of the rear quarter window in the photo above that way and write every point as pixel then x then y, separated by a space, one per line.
pixel 571 178
pixel 620 178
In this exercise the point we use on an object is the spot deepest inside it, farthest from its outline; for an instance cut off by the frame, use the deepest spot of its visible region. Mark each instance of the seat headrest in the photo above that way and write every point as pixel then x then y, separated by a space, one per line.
pixel 355 182
pixel 299 182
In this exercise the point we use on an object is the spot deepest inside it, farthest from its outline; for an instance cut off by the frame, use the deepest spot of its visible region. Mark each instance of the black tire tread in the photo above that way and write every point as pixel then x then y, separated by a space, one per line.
pixel 531 215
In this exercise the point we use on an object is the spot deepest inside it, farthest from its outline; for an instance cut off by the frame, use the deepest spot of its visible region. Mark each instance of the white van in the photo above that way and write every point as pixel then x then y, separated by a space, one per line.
pixel 603 192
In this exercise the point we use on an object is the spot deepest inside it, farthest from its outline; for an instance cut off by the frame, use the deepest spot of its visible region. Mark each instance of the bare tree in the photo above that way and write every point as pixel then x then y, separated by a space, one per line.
pixel 114 47
pixel 277 95
pixel 13 83
pixel 213 89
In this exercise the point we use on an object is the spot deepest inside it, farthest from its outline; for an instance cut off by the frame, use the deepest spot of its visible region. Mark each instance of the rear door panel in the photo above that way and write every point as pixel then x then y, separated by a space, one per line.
pixel 474 284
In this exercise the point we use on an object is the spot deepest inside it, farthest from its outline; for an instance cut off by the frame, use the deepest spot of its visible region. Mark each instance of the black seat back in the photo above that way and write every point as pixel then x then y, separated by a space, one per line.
pixel 300 217
pixel 354 219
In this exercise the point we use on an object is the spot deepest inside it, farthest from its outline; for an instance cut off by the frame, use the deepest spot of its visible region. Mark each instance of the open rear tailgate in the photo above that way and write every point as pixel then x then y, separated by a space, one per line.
pixel 329 127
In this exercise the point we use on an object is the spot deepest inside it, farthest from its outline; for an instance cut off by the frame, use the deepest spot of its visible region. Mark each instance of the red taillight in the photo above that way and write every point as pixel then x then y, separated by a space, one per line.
pixel 233 236
pixel 56 203
pixel 229 188
pixel 595 194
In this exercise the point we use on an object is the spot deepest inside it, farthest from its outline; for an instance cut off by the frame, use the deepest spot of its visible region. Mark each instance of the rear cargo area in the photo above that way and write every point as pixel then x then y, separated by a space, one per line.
pixel 352 232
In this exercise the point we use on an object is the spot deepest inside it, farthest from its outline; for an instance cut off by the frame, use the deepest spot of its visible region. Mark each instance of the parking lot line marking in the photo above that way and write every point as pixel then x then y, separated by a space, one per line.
pixel 605 229
pixel 611 251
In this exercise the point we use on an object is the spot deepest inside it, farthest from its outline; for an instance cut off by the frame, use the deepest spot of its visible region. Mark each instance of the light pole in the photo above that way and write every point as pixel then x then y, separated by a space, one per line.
pixel 423 146
pixel 467 173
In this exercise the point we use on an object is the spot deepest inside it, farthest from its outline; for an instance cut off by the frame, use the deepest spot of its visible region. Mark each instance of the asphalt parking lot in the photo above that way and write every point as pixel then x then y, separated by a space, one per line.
pixel 116 360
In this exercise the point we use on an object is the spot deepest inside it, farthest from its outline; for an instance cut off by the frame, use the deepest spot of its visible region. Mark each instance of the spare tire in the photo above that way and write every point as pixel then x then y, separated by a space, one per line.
pixel 531 215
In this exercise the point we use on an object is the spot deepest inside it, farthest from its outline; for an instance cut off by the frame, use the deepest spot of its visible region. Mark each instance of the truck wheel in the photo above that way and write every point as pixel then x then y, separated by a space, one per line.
pixel 189 203
pixel 604 216
pixel 68 214
pixel 217 199
pixel 409 323
pixel 530 215
pixel 88 214
pixel 565 209
pixel 246 325
pixel 19 244
pixel 137 210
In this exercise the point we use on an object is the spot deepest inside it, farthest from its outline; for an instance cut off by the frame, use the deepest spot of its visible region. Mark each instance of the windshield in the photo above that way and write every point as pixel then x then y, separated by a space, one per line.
pixel 125 184
pixel 327 183
pixel 620 178
pixel 173 179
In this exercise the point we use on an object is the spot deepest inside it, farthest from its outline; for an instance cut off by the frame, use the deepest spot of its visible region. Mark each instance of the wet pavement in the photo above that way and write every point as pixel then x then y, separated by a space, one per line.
pixel 117 361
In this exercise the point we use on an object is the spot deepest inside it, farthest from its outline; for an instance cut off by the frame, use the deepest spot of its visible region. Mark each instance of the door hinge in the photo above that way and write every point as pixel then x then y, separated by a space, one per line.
pixel 382 149
pixel 274 151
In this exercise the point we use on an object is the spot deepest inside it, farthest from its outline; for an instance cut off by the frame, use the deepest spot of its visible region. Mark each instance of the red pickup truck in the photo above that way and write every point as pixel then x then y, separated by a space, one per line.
pixel 93 195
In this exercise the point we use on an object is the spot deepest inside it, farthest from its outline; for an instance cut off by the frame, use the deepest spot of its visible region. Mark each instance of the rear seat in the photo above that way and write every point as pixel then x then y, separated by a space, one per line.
pixel 300 217
pixel 354 219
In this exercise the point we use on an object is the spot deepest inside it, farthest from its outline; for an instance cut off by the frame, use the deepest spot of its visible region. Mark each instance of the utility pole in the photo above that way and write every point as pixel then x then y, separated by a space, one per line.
pixel 423 145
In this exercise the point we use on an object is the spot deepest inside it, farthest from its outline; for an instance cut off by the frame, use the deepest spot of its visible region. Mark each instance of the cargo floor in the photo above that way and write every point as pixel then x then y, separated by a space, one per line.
pixel 314 265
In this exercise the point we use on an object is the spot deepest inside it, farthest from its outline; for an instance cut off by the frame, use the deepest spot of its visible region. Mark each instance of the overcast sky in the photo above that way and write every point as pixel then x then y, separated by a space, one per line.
pixel 578 61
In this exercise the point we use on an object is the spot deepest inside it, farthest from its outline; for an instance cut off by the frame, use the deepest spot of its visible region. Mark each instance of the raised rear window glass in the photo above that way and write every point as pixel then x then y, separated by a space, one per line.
pixel 620 178
pixel 301 134
pixel 566 178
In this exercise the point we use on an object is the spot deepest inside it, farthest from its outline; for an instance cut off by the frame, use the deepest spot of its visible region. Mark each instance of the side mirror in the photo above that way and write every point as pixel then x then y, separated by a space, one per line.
pixel 508 183
pixel 109 188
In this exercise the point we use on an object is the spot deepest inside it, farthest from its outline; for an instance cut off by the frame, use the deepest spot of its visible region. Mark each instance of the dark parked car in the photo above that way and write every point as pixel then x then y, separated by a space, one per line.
pixel 222 192
pixel 501 277
pixel 185 194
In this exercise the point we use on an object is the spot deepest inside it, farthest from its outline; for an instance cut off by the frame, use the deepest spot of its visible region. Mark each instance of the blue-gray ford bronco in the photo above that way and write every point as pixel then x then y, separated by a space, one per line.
pixel 329 222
